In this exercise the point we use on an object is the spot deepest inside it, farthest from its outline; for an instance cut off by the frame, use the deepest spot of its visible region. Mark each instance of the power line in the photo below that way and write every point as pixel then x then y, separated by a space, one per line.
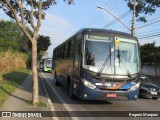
pixel 150 36
pixel 148 24
pixel 96 15
pixel 115 5
pixel 149 32
pixel 151 20
pixel 92 18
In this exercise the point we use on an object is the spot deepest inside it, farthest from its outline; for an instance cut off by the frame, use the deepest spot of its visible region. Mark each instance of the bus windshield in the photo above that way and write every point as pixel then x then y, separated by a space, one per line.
pixel 123 60
pixel 49 63
pixel 126 57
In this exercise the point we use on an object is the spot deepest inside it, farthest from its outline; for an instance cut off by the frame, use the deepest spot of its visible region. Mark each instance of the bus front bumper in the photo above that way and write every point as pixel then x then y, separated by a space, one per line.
pixel 97 94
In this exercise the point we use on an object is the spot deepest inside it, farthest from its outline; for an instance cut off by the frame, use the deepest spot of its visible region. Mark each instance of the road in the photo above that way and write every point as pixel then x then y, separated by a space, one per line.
pixel 61 101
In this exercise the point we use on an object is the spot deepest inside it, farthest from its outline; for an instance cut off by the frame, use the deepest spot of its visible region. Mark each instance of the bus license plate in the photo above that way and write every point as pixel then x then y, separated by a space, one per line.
pixel 111 95
pixel 153 93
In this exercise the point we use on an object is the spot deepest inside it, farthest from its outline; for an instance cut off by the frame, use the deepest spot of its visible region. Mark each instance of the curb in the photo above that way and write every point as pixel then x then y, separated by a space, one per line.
pixel 49 102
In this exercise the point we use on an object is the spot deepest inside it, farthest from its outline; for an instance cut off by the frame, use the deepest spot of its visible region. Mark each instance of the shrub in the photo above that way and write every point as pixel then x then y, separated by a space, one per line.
pixel 10 60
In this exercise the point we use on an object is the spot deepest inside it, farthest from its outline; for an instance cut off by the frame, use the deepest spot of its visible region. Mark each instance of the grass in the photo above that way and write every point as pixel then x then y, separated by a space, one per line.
pixel 10 60
pixel 41 104
pixel 9 81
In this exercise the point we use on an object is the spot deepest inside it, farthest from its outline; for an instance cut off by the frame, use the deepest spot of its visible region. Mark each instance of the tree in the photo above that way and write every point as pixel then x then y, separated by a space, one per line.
pixel 31 12
pixel 12 37
pixel 144 6
pixel 150 55
pixel 43 44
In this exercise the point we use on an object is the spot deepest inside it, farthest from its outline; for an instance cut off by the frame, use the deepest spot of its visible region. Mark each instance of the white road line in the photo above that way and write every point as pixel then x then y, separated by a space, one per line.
pixel 60 98
pixel 49 101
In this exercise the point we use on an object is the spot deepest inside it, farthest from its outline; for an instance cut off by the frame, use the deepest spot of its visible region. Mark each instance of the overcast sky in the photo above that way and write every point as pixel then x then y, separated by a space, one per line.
pixel 63 20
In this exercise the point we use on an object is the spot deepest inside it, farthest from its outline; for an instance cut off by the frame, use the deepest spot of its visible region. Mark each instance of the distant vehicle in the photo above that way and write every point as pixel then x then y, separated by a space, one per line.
pixel 47 66
pixel 98 64
pixel 148 89
pixel 41 63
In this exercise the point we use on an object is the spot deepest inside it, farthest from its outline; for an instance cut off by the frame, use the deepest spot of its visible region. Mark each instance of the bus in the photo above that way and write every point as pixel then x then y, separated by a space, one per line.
pixel 47 65
pixel 98 64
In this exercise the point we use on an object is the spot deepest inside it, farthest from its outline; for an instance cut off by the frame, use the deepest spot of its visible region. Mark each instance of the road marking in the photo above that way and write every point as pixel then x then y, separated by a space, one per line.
pixel 60 98
pixel 49 101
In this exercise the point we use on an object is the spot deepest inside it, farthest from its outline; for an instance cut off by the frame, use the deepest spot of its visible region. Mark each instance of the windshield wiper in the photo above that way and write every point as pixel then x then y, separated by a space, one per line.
pixel 129 74
pixel 118 56
pixel 105 62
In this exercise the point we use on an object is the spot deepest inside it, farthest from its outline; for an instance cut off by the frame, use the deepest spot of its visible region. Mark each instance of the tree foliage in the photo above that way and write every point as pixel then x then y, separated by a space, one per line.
pixel 43 43
pixel 144 6
pixel 8 44
pixel 150 55
pixel 11 37
pixel 29 12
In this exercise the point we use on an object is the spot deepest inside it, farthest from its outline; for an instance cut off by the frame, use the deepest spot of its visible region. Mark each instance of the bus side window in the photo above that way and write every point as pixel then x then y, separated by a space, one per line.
pixel 62 52
pixel 79 48
pixel 71 49
pixel 54 54
pixel 58 53
pixel 66 51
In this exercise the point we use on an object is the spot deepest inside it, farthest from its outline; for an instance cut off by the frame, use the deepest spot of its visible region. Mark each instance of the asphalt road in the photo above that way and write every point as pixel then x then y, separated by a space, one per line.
pixel 61 101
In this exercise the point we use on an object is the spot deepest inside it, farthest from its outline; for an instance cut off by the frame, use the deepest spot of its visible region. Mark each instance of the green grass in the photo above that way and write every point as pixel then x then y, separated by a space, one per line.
pixel 41 104
pixel 9 81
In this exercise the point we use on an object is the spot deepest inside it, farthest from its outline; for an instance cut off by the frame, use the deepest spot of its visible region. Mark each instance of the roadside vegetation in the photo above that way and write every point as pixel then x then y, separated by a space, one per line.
pixel 150 55
pixel 10 60
pixel 15 57
pixel 9 81
pixel 40 104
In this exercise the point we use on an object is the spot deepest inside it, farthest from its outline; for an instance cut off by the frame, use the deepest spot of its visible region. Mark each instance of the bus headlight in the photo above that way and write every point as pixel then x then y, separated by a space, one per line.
pixel 88 84
pixel 135 86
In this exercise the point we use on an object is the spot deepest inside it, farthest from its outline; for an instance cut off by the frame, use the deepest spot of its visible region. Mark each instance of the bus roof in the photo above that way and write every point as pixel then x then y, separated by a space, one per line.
pixel 84 30
pixel 96 30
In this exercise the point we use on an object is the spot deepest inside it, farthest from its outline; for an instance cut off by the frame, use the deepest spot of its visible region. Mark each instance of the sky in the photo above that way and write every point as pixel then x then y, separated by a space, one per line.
pixel 63 20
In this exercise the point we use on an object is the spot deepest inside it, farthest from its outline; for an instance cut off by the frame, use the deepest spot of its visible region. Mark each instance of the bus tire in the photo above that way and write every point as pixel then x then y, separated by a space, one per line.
pixel 71 90
pixel 55 81
pixel 155 98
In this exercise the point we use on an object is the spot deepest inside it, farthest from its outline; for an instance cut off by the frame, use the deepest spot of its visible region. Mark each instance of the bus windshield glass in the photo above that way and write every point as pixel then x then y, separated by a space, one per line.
pixel 97 48
pixel 124 57
pixel 49 63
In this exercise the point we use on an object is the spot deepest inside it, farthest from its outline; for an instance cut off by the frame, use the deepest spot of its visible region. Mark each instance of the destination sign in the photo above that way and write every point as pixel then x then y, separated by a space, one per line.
pixel 96 37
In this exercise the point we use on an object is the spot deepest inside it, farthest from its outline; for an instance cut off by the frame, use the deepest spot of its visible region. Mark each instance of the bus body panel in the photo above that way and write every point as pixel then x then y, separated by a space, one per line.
pixel 64 69
pixel 71 70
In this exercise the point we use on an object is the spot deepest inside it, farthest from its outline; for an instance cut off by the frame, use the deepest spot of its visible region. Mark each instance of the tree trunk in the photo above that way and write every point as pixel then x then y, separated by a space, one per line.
pixel 35 94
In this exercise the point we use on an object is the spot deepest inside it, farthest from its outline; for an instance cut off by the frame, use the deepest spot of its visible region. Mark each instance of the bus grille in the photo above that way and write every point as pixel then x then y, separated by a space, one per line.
pixel 113 89
pixel 115 80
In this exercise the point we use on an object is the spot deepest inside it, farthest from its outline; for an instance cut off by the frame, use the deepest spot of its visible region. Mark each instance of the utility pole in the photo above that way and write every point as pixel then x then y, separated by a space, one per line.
pixel 133 19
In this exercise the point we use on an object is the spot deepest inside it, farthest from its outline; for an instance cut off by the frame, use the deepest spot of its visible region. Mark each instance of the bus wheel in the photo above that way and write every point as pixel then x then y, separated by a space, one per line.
pixel 155 98
pixel 56 82
pixel 71 90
